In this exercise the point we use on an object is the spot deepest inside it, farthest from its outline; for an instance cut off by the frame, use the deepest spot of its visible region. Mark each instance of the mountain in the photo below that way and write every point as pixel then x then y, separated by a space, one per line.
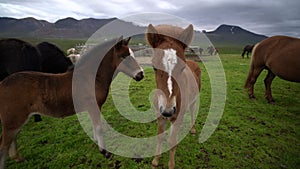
pixel 72 28
pixel 64 28
pixel 234 35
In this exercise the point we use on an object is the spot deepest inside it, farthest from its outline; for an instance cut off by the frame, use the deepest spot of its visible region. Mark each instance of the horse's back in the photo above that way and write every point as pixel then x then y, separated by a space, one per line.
pixel 54 59
pixel 281 54
pixel 17 55
pixel 49 94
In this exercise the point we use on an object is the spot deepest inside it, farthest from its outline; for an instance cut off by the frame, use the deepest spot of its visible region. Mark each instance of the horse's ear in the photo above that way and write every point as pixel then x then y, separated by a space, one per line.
pixel 152 36
pixel 119 41
pixel 187 35
pixel 126 41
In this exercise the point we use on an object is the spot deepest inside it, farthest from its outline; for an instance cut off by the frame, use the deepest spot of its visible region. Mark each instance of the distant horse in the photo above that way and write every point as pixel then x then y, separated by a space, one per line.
pixel 280 56
pixel 74 57
pixel 23 93
pixel 200 51
pixel 17 55
pixel 211 50
pixel 247 49
pixel 177 80
pixel 71 51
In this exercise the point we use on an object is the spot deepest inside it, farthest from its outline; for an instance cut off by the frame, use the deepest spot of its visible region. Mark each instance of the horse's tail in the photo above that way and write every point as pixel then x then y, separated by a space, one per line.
pixel 250 74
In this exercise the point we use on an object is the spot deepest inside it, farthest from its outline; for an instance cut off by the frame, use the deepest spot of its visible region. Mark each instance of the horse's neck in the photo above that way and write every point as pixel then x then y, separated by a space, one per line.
pixel 105 74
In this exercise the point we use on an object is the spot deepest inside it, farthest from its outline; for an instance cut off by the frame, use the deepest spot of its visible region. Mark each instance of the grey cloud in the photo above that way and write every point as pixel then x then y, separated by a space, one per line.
pixel 267 17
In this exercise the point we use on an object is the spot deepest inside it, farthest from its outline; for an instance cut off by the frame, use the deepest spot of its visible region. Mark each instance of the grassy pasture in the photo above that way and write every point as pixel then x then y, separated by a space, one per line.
pixel 251 134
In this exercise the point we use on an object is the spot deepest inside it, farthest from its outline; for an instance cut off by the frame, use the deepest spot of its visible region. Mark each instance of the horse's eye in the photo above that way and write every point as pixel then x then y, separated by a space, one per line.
pixel 123 56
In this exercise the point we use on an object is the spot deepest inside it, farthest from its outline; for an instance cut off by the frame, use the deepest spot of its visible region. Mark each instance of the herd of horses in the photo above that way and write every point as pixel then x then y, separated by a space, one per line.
pixel 38 80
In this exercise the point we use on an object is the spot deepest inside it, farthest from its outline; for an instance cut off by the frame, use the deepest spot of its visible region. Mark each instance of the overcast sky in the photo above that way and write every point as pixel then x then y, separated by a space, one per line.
pixel 268 17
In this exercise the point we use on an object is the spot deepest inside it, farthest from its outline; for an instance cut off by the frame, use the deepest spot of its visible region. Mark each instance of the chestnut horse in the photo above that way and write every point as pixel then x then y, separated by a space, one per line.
pixel 178 82
pixel 23 93
pixel 280 56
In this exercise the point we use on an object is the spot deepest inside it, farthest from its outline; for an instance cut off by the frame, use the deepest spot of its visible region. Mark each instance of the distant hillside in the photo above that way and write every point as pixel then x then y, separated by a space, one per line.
pixel 234 35
pixel 81 29
pixel 64 28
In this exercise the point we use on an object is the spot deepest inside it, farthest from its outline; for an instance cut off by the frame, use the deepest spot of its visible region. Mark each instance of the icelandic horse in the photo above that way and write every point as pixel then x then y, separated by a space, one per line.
pixel 23 93
pixel 280 55
pixel 178 82
pixel 17 55
pixel 247 50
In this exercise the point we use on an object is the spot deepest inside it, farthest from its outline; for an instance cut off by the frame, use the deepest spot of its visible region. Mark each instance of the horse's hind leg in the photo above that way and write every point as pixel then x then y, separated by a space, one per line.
pixel 253 78
pixel 268 81
pixel 160 138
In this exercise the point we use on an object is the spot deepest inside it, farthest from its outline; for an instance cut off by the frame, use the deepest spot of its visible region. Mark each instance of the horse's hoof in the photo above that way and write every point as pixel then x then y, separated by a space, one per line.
pixel 137 158
pixel 107 154
pixel 37 118
pixel 154 162
pixel 193 132
pixel 272 102
pixel 252 97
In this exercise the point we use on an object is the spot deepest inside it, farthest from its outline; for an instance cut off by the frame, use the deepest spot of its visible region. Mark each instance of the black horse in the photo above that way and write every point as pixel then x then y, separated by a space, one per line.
pixel 17 55
pixel 248 49
pixel 53 59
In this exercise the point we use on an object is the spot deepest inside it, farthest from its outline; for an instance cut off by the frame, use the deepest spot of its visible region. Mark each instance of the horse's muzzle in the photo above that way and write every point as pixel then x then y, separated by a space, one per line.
pixel 139 76
pixel 168 112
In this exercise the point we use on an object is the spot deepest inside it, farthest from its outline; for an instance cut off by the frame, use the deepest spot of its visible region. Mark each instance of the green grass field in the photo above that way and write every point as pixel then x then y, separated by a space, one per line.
pixel 251 134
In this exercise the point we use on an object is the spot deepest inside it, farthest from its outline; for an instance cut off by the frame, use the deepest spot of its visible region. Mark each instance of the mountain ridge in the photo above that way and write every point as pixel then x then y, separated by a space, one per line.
pixel 75 29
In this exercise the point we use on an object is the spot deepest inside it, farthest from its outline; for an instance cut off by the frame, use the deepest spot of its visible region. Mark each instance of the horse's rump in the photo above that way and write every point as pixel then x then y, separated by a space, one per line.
pixel 279 54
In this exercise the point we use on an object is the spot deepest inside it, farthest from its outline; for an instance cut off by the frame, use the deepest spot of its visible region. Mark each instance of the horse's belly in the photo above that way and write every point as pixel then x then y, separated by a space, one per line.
pixel 287 68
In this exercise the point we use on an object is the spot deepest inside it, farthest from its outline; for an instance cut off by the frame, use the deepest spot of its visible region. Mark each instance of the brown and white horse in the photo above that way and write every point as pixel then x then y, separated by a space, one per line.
pixel 23 93
pixel 178 82
pixel 280 55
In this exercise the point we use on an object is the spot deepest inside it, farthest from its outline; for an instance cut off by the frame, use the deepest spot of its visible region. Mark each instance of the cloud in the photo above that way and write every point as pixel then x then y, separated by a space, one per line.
pixel 269 17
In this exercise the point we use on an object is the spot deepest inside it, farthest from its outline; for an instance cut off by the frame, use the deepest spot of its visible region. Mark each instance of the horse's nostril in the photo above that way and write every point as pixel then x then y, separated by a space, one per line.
pixel 161 110
pixel 167 113
pixel 174 110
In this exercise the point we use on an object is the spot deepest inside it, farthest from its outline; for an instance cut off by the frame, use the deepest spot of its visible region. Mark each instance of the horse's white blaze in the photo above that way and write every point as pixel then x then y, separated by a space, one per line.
pixel 161 101
pixel 131 53
pixel 169 61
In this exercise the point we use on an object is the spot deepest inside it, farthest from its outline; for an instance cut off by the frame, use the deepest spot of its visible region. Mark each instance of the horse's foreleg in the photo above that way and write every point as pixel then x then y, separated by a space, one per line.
pixel 192 110
pixel 160 138
pixel 8 136
pixel 13 152
pixel 243 53
pixel 173 143
pixel 3 155
pixel 98 132
pixel 268 81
